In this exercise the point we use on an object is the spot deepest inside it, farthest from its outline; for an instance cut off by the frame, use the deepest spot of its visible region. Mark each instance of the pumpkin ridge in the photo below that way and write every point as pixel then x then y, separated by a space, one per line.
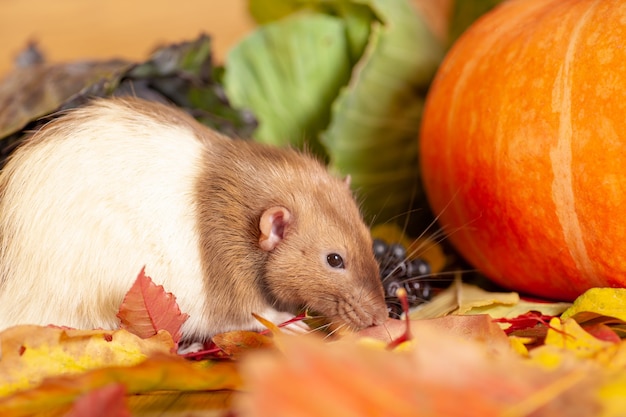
pixel 563 194
pixel 456 104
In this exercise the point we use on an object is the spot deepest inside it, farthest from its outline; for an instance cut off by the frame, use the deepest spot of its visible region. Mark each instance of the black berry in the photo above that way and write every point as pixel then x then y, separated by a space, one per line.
pixel 398 271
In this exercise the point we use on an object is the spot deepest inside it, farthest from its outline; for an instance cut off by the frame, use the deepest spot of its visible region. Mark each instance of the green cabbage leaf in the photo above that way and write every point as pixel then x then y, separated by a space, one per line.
pixel 345 79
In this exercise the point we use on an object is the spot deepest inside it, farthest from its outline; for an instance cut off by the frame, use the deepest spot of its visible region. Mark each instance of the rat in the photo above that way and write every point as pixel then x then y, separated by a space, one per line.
pixel 229 226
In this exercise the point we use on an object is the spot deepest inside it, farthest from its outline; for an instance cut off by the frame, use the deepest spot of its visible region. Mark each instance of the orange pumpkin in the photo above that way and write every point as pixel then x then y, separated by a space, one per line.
pixel 523 145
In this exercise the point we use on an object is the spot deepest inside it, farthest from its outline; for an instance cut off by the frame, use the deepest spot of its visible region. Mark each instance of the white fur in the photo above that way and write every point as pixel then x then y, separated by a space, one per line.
pixel 153 186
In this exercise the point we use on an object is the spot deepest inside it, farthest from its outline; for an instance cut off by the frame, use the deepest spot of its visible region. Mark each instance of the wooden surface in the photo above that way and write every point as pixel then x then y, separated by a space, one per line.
pixel 83 29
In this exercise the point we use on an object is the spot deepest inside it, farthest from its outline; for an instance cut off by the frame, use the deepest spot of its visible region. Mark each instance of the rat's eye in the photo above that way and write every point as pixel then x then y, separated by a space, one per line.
pixel 335 261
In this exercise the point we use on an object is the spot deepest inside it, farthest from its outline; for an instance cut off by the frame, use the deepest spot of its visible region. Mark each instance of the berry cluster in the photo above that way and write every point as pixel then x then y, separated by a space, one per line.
pixel 397 270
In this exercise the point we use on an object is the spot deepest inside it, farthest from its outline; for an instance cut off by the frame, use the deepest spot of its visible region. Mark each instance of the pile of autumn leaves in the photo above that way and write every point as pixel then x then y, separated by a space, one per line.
pixel 461 364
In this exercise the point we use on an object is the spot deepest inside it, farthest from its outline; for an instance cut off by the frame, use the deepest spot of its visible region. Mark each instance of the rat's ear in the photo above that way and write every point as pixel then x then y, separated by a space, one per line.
pixel 347 180
pixel 273 223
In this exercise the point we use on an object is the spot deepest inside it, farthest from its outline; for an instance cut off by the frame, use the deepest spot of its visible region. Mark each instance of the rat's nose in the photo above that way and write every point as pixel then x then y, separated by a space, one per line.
pixel 380 316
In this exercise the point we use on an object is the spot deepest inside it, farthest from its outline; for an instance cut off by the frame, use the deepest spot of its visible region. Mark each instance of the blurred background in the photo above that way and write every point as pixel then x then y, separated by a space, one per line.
pixel 83 29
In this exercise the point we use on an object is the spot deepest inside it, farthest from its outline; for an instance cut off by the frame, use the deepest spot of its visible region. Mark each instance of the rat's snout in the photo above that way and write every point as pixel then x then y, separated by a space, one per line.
pixel 371 314
pixel 378 310
pixel 368 308
pixel 378 305
pixel 380 316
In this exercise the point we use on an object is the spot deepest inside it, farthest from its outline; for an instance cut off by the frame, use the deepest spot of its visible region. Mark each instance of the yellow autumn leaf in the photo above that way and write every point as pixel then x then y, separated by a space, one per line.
pixel 566 338
pixel 182 404
pixel 567 344
pixel 272 327
pixel 158 373
pixel 519 344
pixel 604 301
pixel 441 305
pixel 568 334
pixel 519 308
pixel 461 298
pixel 612 396
pixel 471 297
pixel 372 343
pixel 32 353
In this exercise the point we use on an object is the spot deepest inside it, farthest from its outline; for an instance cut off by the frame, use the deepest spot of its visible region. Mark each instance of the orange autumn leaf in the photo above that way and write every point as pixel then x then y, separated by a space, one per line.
pixel 148 308
pixel 438 374
pixel 32 353
pixel 158 373
pixel 476 327
pixel 237 343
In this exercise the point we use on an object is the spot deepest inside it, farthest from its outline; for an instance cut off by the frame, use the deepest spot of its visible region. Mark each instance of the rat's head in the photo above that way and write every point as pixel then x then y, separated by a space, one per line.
pixel 320 255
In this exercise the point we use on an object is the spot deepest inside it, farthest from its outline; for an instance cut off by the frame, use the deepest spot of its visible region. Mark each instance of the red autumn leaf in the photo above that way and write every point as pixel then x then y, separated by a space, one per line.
pixel 108 401
pixel 148 308
pixel 525 321
pixel 602 332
